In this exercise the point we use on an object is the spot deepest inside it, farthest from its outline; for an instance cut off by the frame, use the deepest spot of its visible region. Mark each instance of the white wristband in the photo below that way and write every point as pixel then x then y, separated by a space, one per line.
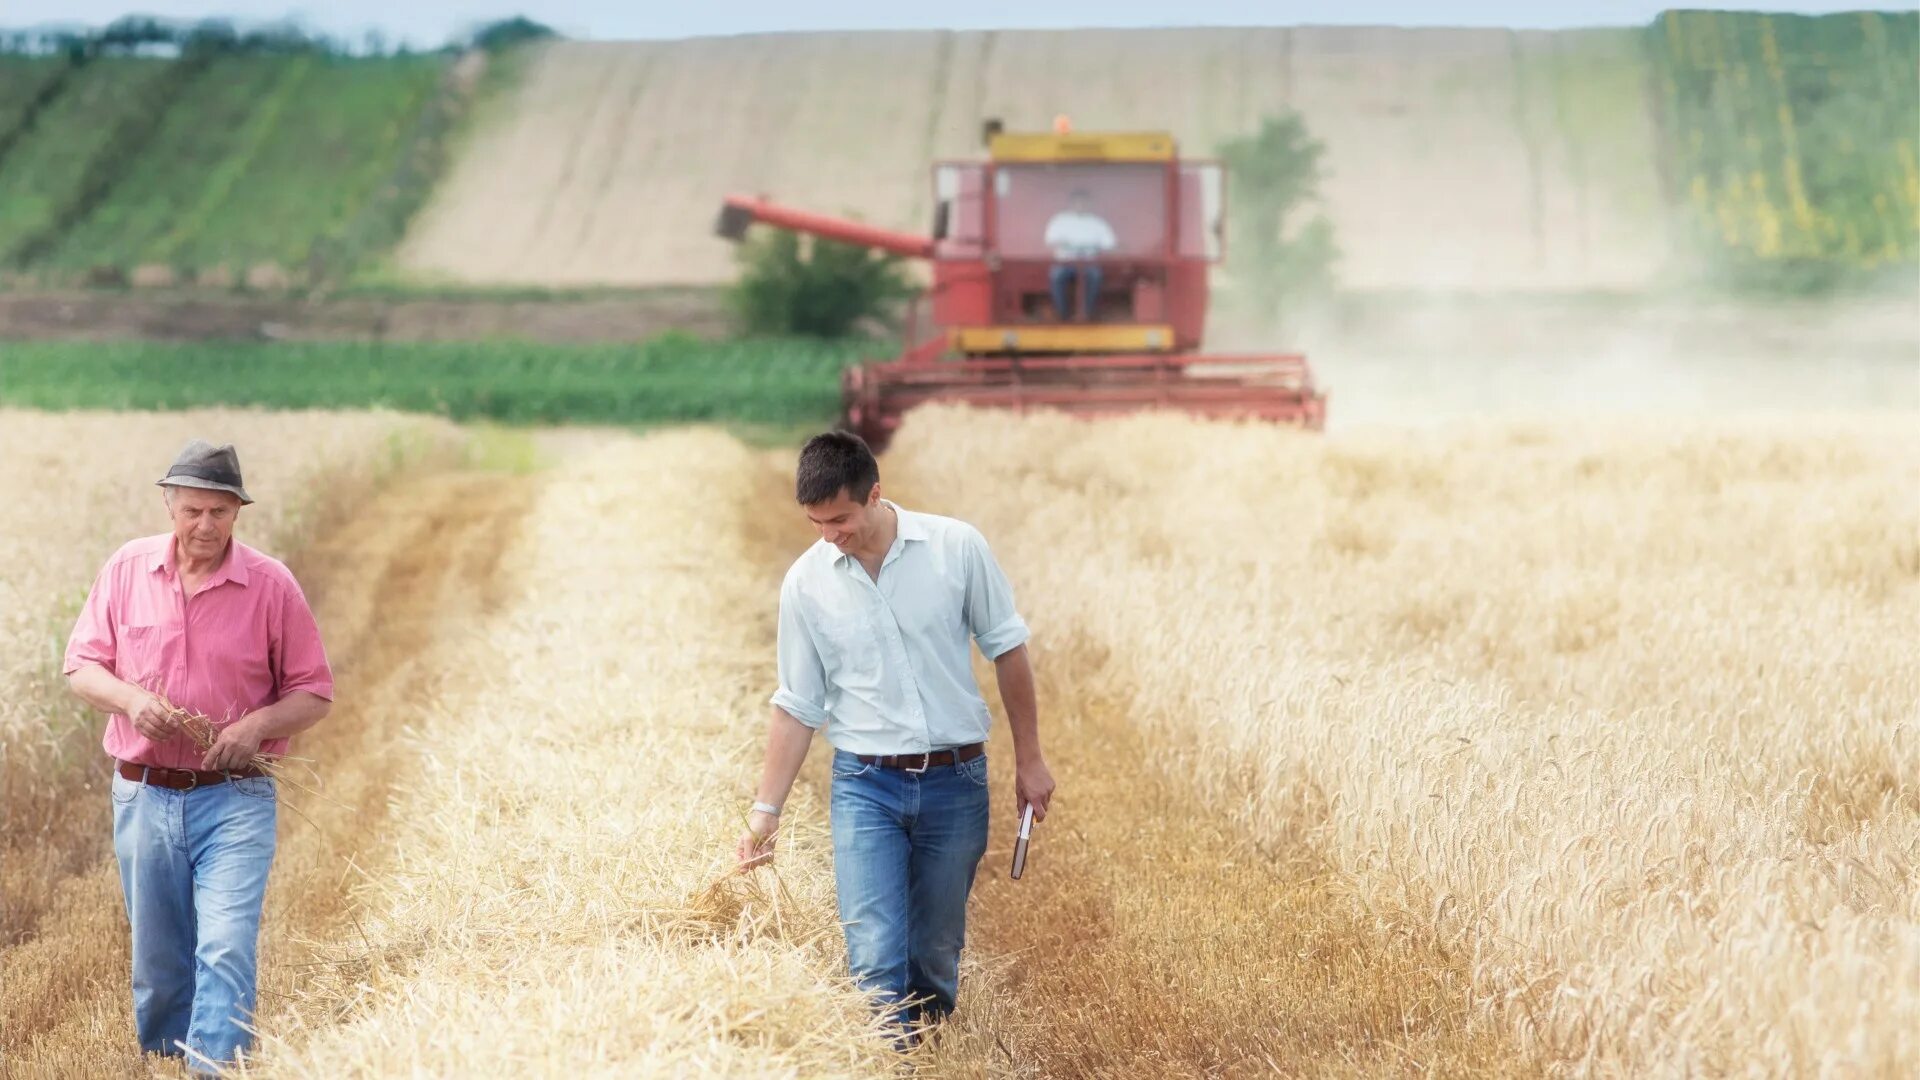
pixel 767 808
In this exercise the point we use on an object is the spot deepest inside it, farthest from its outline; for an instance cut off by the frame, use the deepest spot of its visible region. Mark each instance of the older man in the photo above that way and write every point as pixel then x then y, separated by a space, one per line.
pixel 875 621
pixel 196 620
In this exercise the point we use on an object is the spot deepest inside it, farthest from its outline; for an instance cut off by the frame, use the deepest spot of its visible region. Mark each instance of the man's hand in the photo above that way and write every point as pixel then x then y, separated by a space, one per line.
pixel 1032 783
pixel 756 844
pixel 150 716
pixel 234 747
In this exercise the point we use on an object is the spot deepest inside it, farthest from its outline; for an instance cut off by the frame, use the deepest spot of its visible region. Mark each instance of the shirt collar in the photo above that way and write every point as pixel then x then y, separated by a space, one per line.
pixel 232 568
pixel 910 528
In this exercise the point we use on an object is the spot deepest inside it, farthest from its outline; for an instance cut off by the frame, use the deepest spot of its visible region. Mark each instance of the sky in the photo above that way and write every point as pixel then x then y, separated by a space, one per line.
pixel 428 23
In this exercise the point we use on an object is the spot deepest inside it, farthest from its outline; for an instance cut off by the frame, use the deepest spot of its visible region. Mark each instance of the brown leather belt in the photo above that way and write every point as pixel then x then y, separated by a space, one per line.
pixel 181 779
pixel 919 763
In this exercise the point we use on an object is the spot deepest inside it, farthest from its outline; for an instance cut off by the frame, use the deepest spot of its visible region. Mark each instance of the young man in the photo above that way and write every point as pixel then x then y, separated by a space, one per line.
pixel 874 624
pixel 222 630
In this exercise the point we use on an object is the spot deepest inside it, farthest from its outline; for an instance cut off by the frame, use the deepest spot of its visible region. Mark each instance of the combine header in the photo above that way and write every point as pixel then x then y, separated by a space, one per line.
pixel 1045 220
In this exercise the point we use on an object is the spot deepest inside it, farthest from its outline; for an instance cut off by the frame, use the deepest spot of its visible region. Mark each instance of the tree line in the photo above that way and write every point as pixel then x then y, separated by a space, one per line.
pixel 145 35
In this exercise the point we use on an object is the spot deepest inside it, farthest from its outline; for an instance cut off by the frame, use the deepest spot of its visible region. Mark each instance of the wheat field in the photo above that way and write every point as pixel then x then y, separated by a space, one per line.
pixel 1504 749
pixel 1623 716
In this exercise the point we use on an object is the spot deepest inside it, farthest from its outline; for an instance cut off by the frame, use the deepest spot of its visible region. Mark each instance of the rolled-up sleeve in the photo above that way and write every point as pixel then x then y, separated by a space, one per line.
pixel 92 641
pixel 299 659
pixel 803 677
pixel 995 623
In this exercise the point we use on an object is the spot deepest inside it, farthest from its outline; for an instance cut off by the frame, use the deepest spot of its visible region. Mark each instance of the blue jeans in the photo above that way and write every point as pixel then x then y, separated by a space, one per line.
pixel 1062 277
pixel 905 847
pixel 193 869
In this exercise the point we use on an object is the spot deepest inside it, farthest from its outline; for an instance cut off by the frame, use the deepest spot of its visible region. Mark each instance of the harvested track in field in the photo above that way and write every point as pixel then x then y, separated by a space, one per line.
pixel 393 580
pixel 1151 936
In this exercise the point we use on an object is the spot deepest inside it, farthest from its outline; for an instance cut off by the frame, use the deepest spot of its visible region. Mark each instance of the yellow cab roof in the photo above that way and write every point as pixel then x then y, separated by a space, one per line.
pixel 1082 146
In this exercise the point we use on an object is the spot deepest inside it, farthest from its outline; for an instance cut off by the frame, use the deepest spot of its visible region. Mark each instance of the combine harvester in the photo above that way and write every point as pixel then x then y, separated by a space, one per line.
pixel 997 341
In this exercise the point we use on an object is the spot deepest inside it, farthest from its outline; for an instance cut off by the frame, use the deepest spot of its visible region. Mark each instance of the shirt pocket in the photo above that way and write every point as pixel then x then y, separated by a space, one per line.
pixel 851 649
pixel 137 654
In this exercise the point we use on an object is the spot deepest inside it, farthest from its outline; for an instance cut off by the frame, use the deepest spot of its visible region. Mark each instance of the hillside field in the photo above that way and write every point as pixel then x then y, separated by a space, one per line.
pixel 289 166
pixel 1456 160
pixel 1730 150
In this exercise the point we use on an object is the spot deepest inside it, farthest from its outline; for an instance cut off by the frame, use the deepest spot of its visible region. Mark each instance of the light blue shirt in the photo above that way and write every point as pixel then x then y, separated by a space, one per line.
pixel 884 664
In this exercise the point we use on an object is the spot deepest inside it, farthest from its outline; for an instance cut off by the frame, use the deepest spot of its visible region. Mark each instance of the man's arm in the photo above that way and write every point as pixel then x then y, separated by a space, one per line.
pixel 1033 781
pixel 799 708
pixel 107 692
pixel 1001 633
pixel 302 678
pixel 787 743
pixel 92 656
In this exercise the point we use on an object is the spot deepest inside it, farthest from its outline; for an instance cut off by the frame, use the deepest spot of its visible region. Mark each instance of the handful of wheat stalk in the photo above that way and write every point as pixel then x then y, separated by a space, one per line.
pixel 199 727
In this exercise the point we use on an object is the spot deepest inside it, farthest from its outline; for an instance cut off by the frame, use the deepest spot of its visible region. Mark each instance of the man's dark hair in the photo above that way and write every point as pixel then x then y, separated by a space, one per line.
pixel 833 462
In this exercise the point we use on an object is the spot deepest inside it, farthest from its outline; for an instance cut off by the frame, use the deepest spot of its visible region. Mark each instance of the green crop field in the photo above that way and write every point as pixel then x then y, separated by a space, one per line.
pixel 263 159
pixel 22 78
pixel 1794 140
pixel 669 379
pixel 42 175
pixel 144 213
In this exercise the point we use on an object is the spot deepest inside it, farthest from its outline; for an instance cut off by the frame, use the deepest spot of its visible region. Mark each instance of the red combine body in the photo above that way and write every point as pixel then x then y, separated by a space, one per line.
pixel 997 339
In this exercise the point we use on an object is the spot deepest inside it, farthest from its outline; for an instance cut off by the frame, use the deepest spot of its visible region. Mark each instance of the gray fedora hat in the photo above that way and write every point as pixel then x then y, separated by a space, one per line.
pixel 204 465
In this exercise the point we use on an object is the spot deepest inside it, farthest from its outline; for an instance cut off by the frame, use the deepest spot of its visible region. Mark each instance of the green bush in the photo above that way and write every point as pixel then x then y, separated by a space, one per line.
pixel 1282 254
pixel 812 287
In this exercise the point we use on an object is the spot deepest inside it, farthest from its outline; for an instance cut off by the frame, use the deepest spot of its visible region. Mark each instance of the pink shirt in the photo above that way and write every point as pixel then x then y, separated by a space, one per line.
pixel 246 639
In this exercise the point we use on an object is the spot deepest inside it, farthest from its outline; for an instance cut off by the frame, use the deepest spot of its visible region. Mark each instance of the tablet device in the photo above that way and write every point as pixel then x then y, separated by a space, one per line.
pixel 1020 844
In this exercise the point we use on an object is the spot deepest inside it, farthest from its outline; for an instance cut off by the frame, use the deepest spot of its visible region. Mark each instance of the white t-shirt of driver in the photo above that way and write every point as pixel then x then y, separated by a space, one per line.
pixel 1075 234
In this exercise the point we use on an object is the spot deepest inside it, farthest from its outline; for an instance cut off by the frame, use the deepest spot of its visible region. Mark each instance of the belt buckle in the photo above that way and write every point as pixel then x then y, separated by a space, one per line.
pixel 193 779
pixel 926 762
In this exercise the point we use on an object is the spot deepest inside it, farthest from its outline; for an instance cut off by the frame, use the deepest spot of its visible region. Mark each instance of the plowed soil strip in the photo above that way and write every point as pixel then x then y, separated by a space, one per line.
pixel 395 579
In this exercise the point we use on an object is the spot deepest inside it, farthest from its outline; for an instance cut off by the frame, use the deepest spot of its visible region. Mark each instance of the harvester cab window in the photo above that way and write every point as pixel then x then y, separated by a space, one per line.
pixel 1117 231
pixel 1130 198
